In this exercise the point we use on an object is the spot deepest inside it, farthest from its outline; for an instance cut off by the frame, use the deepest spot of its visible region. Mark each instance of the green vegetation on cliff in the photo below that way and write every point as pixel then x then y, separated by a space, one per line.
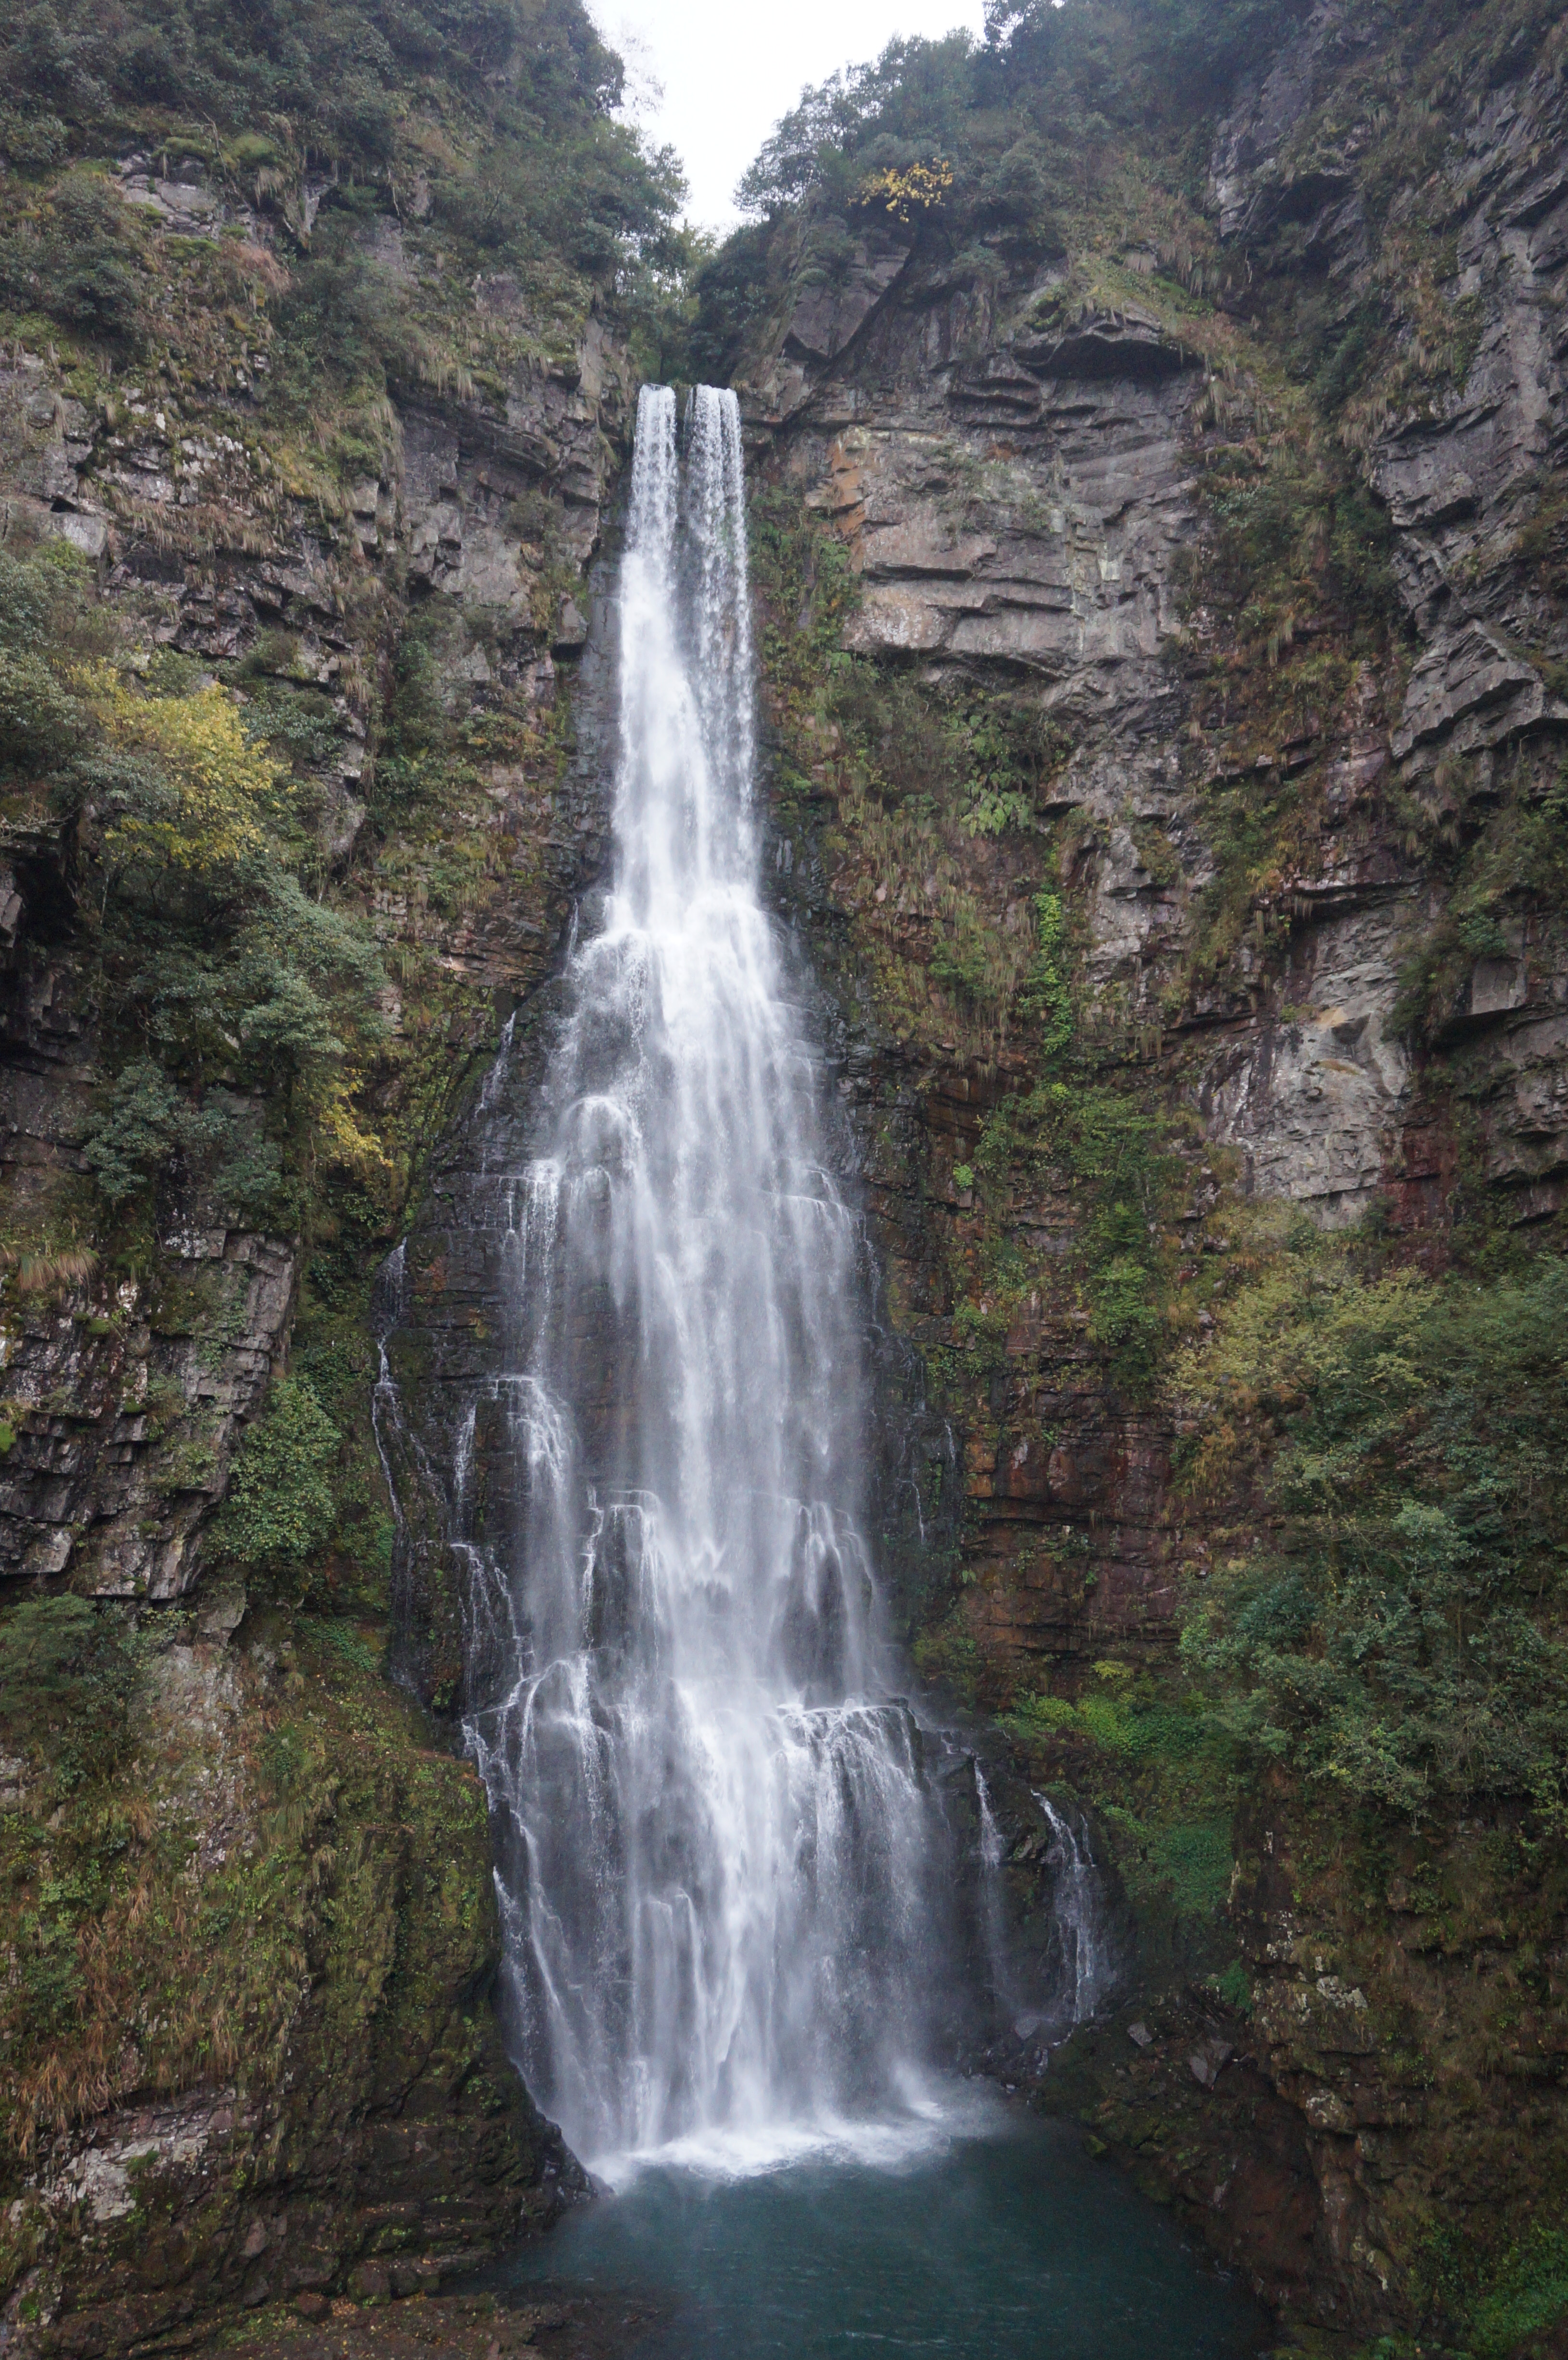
pixel 502 108
pixel 1293 882
pixel 1395 1635
pixel 235 833
pixel 1022 148
pixel 250 1879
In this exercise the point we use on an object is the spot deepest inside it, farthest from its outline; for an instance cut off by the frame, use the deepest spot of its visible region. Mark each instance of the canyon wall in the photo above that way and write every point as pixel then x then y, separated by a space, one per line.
pixel 1149 701
pixel 1159 537
pixel 316 474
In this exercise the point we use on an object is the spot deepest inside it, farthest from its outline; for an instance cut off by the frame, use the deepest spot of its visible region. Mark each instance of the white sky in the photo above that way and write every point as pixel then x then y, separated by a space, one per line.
pixel 729 68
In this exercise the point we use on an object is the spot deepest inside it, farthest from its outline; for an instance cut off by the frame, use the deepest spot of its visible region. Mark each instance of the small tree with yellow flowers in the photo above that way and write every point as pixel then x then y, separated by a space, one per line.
pixel 906 190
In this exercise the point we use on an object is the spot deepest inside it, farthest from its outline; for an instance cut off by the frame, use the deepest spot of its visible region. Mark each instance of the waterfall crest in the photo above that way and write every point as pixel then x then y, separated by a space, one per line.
pixel 715 1838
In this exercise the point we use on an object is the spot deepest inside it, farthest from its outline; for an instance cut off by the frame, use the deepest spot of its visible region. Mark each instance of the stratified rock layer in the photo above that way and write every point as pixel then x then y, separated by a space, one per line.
pixel 1016 469
pixel 277 2065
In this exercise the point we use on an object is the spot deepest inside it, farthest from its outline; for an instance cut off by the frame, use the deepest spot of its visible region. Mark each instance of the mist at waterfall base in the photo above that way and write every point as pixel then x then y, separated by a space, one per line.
pixel 729 1888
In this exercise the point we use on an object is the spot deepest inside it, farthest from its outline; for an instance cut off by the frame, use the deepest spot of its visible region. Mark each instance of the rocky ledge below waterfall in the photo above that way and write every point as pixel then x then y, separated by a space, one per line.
pixel 302 1956
pixel 572 2324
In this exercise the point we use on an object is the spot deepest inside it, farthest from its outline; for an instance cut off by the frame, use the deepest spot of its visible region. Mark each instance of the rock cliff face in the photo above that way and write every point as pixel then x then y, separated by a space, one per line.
pixel 379 2141
pixel 1006 482
pixel 1166 657
pixel 1028 498
pixel 86 1487
pixel 248 2042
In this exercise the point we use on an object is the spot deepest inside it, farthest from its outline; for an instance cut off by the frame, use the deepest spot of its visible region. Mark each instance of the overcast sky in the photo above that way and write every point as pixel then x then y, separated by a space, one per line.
pixel 729 68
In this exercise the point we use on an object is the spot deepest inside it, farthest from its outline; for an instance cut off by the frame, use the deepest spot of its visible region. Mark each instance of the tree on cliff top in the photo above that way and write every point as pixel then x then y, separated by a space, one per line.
pixel 522 148
pixel 1062 72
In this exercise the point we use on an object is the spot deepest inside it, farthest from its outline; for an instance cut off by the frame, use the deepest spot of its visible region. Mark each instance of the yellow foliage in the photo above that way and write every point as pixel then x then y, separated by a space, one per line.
pixel 1300 1304
pixel 356 1150
pixel 222 782
pixel 902 189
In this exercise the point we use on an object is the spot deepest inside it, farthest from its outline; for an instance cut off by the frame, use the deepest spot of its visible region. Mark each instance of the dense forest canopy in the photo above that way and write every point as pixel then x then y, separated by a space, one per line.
pixel 508 106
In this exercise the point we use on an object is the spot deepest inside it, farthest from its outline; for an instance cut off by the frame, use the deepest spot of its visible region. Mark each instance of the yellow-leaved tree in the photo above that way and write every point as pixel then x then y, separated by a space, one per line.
pixel 903 189
pixel 220 787
pixel 241 977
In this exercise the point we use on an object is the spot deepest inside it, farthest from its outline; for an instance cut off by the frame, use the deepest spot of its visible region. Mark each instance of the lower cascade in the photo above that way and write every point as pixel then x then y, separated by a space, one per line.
pixel 718 1859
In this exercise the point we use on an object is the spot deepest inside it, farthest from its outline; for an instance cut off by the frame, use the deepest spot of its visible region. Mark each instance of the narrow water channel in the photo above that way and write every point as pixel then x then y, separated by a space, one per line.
pixel 995 2237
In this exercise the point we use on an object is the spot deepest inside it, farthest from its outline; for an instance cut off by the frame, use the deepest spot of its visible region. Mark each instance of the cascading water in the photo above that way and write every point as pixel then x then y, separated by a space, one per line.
pixel 991 1913
pixel 620 1400
pixel 714 1838
pixel 1077 1914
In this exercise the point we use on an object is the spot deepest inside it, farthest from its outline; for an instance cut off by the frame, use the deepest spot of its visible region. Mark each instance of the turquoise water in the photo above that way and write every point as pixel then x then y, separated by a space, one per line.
pixel 1003 2241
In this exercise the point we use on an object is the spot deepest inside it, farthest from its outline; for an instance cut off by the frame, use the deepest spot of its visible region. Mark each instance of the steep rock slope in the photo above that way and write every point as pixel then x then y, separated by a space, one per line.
pixel 1165 647
pixel 314 378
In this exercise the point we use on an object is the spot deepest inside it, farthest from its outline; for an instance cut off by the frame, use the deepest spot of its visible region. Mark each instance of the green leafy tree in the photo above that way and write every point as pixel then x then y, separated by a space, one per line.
pixel 142 1123
pixel 281 1506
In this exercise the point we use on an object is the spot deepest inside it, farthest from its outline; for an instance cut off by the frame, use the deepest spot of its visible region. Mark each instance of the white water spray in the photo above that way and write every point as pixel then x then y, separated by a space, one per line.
pixel 715 1835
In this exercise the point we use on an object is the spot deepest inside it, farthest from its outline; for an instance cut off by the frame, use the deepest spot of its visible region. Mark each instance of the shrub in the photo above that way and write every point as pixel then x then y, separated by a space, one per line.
pixel 280 1506
pixel 37 593
pixel 66 1681
pixel 142 1123
pixel 77 261
pixel 1399 1635
pixel 41 723
pixel 1529 2295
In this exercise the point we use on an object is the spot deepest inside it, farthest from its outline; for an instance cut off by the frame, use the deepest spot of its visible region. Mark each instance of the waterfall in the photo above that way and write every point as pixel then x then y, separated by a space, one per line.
pixel 1076 1913
pixel 993 1921
pixel 714 1834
